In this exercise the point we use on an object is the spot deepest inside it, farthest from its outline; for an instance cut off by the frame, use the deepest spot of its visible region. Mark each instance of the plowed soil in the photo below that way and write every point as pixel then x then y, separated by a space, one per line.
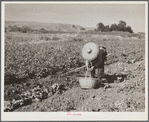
pixel 121 90
pixel 111 95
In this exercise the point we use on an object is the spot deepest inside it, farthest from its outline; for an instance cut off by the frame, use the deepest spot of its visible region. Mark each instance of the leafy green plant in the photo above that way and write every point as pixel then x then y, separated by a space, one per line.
pixel 40 60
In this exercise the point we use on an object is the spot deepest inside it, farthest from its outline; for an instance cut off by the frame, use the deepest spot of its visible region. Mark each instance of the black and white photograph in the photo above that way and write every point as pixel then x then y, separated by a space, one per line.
pixel 74 60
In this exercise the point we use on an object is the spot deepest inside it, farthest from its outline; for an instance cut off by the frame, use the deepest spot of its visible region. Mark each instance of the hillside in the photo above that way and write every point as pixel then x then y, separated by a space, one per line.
pixel 90 28
pixel 47 26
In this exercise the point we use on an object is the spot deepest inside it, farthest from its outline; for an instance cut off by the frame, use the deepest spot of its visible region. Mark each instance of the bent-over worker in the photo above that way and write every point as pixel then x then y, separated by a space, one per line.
pixel 96 67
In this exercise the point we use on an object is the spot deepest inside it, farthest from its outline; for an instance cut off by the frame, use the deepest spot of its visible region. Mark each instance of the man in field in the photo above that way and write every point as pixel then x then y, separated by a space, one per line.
pixel 96 67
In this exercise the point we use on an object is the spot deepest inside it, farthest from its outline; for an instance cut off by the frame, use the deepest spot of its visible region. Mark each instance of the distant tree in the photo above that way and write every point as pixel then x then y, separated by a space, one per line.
pixel 122 26
pixel 100 26
pixel 82 28
pixel 122 22
pixel 13 28
pixel 42 30
pixel 9 28
pixel 106 28
pixel 74 26
pixel 26 29
pixel 95 30
pixel 128 29
pixel 114 27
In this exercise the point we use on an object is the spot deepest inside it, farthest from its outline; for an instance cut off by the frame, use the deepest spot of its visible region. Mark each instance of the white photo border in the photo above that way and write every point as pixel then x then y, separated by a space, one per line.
pixel 56 116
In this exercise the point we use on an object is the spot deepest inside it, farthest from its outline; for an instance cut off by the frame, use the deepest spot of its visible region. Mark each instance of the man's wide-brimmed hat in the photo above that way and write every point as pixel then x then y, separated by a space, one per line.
pixel 90 51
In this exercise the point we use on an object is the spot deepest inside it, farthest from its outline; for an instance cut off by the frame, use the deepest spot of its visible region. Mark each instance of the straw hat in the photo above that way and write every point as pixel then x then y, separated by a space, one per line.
pixel 90 51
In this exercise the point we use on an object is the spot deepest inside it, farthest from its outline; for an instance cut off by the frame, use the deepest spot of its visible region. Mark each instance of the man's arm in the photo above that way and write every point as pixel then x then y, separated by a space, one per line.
pixel 89 65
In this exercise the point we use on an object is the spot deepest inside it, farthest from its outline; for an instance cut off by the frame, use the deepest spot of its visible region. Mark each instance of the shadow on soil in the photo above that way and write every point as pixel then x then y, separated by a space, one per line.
pixel 111 79
pixel 115 78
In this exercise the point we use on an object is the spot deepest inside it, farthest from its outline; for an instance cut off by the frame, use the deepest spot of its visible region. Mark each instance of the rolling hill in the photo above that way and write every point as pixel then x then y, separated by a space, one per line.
pixel 47 26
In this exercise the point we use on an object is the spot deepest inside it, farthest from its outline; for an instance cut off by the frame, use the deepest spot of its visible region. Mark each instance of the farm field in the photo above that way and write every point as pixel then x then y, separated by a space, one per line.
pixel 34 62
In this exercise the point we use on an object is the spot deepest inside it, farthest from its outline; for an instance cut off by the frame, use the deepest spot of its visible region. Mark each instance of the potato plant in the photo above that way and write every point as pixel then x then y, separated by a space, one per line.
pixel 40 60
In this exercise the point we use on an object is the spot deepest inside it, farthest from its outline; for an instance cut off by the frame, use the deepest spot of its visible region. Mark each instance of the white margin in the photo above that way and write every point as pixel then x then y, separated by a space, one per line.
pixel 48 116
pixel 2 55
pixel 146 58
pixel 74 2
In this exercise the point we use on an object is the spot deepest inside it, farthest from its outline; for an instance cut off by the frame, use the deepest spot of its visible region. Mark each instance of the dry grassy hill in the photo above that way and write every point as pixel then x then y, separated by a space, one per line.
pixel 47 26
pixel 90 28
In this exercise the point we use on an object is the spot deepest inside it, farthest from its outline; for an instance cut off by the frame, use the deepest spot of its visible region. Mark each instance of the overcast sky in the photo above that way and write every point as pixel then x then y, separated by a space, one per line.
pixel 86 15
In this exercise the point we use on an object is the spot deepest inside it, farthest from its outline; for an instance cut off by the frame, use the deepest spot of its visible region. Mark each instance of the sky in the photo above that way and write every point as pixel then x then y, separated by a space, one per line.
pixel 86 15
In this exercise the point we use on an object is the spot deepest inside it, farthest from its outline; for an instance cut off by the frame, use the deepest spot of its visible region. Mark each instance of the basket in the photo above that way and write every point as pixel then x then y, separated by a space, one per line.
pixel 88 82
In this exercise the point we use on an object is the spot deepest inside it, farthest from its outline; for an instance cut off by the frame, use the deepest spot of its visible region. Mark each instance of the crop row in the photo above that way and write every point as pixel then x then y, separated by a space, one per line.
pixel 40 60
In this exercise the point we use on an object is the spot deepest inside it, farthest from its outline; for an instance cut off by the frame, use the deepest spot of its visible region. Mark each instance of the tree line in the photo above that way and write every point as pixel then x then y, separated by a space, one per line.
pixel 122 26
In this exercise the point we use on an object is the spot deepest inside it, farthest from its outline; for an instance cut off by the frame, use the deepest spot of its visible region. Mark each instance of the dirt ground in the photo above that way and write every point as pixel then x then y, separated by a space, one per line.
pixel 114 94
pixel 121 90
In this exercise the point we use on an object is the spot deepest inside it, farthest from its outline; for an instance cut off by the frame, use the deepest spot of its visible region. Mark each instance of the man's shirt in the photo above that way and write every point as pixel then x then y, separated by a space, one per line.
pixel 99 61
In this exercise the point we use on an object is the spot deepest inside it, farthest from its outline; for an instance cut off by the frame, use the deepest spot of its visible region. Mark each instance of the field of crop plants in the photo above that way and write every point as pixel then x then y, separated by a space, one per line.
pixel 35 62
